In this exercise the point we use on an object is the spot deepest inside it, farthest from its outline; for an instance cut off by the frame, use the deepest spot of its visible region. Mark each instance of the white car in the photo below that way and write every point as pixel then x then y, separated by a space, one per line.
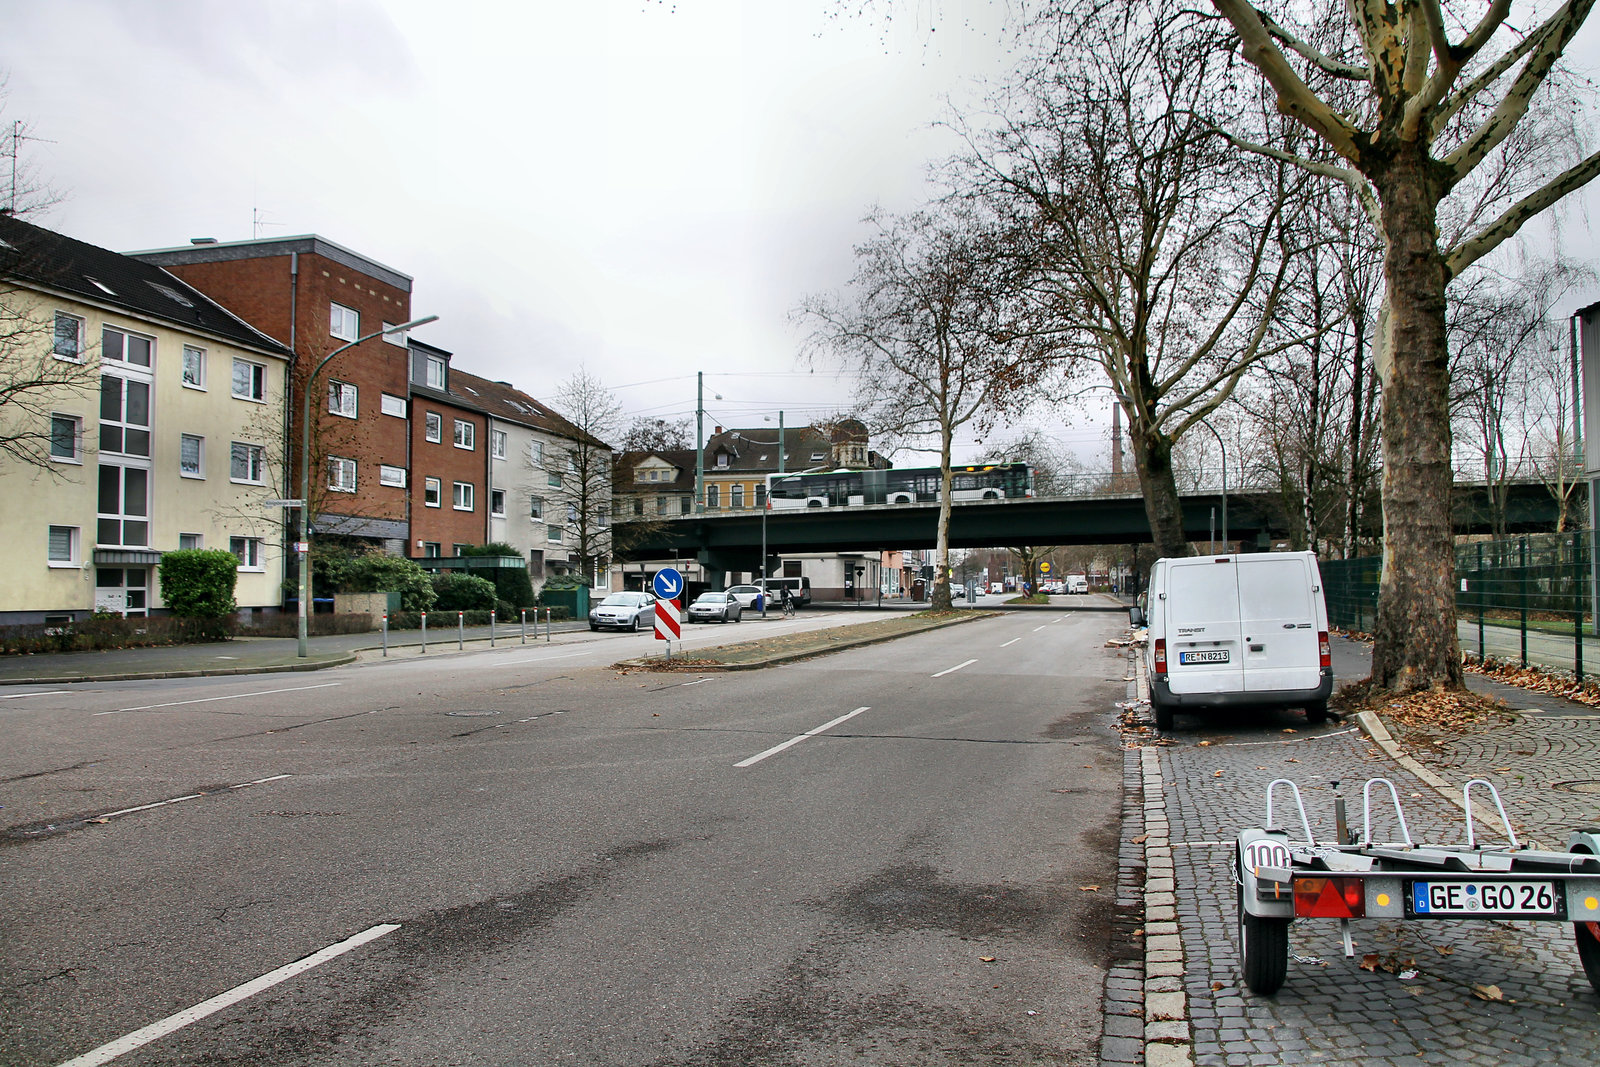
pixel 745 595
pixel 720 606
pixel 624 611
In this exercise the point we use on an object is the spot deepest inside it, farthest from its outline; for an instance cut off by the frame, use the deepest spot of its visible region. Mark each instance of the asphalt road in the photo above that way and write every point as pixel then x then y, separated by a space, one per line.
pixel 547 861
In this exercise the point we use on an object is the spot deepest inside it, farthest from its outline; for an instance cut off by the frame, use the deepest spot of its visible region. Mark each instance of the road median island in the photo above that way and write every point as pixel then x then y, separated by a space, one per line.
pixel 785 648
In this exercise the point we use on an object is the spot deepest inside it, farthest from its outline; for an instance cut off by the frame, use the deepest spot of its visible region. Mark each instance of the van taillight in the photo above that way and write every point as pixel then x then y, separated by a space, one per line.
pixel 1161 655
pixel 1324 650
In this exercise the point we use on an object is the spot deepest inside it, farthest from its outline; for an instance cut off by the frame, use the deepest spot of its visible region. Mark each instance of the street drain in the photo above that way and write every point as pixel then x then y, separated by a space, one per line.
pixel 473 713
pixel 1582 785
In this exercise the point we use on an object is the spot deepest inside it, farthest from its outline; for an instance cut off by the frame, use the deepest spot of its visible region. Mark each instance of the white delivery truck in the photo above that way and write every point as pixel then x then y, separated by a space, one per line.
pixel 1237 630
pixel 1077 583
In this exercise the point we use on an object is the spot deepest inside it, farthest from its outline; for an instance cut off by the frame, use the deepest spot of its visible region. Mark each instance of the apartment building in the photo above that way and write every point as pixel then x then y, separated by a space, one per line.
pixel 449 459
pixel 155 421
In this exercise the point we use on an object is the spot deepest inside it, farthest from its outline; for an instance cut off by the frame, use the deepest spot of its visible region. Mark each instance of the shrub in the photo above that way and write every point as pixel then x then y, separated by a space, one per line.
pixel 379 572
pixel 198 583
pixel 463 592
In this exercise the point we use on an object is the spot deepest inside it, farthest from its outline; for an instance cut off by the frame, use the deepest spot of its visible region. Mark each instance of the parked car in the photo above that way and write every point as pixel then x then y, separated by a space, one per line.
pixel 624 611
pixel 745 595
pixel 723 607
pixel 958 592
pixel 799 590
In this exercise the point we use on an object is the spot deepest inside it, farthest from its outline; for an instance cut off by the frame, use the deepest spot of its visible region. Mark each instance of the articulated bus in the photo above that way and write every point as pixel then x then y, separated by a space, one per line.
pixel 912 485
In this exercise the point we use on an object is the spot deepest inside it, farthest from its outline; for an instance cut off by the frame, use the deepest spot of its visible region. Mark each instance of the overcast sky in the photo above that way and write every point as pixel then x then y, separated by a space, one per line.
pixel 645 188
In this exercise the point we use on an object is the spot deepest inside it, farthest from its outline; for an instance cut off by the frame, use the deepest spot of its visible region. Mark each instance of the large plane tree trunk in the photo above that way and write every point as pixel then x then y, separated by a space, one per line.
pixel 1415 644
pixel 1160 488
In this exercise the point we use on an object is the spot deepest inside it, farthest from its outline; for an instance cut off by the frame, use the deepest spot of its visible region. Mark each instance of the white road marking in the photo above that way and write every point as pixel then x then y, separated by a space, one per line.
pixel 190 796
pixel 775 749
pixel 1013 641
pixel 236 696
pixel 44 693
pixel 1036 629
pixel 173 1023
pixel 957 667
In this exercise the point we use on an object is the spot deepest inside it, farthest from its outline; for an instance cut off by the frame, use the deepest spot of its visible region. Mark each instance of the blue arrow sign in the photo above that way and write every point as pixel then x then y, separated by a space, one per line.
pixel 668 584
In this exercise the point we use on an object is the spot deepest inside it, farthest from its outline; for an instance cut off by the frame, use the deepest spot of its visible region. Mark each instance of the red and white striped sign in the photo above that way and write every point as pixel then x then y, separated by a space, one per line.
pixel 667 625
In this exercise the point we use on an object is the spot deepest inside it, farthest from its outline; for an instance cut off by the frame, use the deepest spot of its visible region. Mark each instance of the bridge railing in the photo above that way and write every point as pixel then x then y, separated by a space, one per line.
pixel 1527 600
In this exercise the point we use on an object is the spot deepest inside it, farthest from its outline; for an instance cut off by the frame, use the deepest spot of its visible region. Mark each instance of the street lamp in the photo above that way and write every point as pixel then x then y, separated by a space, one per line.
pixel 1224 450
pixel 303 549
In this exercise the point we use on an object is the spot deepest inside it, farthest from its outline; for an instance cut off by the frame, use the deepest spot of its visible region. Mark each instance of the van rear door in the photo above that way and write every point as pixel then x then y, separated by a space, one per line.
pixel 1200 621
pixel 1279 619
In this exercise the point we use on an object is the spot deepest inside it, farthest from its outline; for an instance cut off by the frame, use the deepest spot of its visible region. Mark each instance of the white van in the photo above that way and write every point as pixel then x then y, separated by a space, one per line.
pixel 1230 631
pixel 1077 583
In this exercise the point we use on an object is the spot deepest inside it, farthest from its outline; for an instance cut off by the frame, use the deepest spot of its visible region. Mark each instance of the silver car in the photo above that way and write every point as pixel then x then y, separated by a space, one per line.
pixel 723 607
pixel 624 611
pixel 746 596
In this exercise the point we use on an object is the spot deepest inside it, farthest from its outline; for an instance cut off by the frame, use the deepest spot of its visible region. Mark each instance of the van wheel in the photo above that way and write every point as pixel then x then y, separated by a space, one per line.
pixel 1317 713
pixel 1163 715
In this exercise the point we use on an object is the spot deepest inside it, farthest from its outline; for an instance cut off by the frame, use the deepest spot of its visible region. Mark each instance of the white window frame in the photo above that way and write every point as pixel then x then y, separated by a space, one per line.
pixel 393 405
pixel 389 475
pixel 341 474
pixel 195 541
pixel 343 322
pixel 400 338
pixel 342 399
pixel 255 390
pixel 122 357
pixel 433 427
pixel 554 533
pixel 193 356
pixel 536 508
pixel 255 458
pixel 536 452
pixel 463 496
pixel 74 540
pixel 497 503
pixel 76 455
pixel 123 423
pixel 75 355
pixel 434 372
pixel 497 444
pixel 247 550
pixel 465 435
pixel 199 456
pixel 432 493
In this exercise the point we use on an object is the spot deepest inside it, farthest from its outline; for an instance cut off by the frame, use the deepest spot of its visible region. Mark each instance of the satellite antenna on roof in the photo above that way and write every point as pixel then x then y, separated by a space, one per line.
pixel 257 220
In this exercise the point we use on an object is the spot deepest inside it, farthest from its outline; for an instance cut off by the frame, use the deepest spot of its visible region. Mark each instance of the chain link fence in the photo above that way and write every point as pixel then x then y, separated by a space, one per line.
pixel 1527 599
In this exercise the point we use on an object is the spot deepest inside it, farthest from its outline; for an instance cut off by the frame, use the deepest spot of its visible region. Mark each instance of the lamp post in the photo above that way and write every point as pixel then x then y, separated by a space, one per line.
pixel 303 549
pixel 1224 451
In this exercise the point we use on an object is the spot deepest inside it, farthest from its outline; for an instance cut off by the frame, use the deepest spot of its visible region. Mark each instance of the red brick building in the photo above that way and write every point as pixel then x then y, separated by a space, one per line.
pixel 449 460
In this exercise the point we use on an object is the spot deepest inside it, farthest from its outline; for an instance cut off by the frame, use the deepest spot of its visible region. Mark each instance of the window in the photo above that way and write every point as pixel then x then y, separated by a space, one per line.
pixel 388 475
pixel 247 463
pixel 394 405
pixel 464 432
pixel 553 533
pixel 194 367
pixel 638 505
pixel 817 457
pixel 191 456
pixel 342 399
pixel 124 510
pixel 249 380
pixel 430 549
pixel 572 514
pixel 736 496
pixel 248 551
pixel 399 338
pixel 535 508
pixel 497 444
pixel 536 452
pixel 761 495
pixel 124 415
pixel 341 474
pixel 123 347
pixel 461 498
pixel 655 476
pixel 535 563
pixel 433 369
pixel 602 517
pixel 685 504
pixel 497 503
pixel 430 492
pixel 722 459
pixel 554 480
pixel 433 427
pixel 69 337
pixel 458 548
pixel 661 506
pixel 713 496
pixel 344 323
pixel 63 546
pixel 187 541
pixel 66 438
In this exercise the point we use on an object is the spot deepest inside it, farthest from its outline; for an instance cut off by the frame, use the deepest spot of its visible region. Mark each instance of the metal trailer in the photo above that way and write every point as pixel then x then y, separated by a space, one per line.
pixel 1356 877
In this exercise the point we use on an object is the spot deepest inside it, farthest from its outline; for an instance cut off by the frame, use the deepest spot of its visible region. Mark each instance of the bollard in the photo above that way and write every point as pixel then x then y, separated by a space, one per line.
pixel 424 633
pixel 525 625
pixel 461 630
pixel 386 634
pixel 492 616
pixel 547 625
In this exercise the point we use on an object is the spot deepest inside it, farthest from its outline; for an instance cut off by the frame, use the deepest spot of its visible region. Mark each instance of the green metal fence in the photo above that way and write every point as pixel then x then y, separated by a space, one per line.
pixel 1528 599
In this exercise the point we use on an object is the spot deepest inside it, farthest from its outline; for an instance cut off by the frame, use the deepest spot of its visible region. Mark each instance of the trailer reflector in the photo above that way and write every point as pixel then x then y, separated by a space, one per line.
pixel 1329 898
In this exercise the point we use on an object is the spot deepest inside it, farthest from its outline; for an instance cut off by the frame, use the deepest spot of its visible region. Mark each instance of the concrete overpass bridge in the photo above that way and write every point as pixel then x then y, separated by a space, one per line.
pixel 731 540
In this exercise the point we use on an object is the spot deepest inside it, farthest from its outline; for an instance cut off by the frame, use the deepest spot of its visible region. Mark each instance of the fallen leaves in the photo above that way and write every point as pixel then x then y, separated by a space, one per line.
pixel 1487 992
pixel 1375 962
pixel 1089 889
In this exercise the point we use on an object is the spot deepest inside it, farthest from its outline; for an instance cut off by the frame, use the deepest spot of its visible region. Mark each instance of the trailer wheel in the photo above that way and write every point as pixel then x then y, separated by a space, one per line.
pixel 1263 950
pixel 1588 937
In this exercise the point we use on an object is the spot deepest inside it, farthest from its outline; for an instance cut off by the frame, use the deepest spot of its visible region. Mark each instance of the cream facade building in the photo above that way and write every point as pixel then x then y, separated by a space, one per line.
pixel 158 424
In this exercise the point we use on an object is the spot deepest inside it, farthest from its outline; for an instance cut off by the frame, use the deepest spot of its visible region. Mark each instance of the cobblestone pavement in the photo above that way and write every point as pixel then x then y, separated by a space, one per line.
pixel 1210 781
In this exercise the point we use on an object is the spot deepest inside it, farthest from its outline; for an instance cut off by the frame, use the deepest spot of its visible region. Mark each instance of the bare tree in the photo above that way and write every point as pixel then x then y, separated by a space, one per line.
pixel 647 434
pixel 1437 105
pixel 583 466
pixel 926 325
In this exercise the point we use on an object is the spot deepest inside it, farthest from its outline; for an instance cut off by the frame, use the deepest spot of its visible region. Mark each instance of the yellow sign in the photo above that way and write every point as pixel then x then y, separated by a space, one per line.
pixel 1044 568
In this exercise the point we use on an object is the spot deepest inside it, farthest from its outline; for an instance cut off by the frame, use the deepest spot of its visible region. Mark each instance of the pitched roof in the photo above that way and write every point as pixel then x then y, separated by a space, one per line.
pixel 51 260
pixel 504 401
pixel 680 458
pixel 756 450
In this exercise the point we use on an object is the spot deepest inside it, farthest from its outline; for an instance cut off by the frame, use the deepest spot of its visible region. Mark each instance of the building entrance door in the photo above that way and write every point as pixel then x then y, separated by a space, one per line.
pixel 124 590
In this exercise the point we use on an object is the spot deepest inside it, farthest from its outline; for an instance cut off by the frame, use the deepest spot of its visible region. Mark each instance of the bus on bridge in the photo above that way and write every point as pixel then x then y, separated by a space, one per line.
pixel 909 485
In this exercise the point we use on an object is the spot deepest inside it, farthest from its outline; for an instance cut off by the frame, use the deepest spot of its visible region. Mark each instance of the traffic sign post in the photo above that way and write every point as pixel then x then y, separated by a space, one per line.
pixel 668 587
pixel 667 584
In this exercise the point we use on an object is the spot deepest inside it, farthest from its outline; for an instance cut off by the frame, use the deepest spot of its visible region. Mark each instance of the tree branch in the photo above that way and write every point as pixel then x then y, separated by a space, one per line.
pixel 1573 178
pixel 1327 64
